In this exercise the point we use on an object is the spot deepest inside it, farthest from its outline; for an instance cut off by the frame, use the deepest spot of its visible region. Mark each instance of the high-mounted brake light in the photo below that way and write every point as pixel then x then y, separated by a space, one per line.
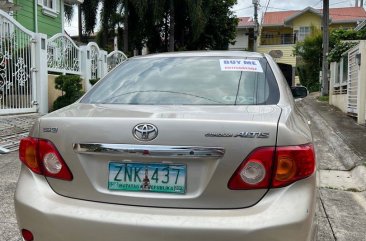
pixel 274 167
pixel 42 157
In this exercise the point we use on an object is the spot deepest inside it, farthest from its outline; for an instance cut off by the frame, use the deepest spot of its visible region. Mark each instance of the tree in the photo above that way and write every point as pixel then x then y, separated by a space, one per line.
pixel 310 52
pixel 69 12
pixel 339 44
pixel 220 27
pixel 168 25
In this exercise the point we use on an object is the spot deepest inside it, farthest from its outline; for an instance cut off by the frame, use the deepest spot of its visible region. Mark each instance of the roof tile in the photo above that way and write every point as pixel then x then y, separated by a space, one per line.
pixel 337 15
pixel 246 22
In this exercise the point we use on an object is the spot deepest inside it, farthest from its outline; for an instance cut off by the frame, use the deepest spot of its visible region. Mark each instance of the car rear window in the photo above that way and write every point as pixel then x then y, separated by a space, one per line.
pixel 187 81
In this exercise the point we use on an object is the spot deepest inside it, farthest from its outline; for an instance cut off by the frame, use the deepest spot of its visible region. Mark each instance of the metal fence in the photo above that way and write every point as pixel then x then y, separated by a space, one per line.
pixel 63 55
pixel 26 58
pixel 115 58
pixel 353 79
pixel 88 61
pixel 277 39
pixel 17 67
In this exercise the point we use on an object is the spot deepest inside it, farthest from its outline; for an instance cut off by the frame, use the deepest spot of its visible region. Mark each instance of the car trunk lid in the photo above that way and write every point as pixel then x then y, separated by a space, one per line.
pixel 208 142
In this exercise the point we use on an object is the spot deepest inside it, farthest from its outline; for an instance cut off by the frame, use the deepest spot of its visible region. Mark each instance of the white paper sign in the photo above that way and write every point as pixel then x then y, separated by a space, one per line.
pixel 247 65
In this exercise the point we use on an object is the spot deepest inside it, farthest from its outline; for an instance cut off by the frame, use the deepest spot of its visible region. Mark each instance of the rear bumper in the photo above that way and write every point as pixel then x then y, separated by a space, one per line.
pixel 284 214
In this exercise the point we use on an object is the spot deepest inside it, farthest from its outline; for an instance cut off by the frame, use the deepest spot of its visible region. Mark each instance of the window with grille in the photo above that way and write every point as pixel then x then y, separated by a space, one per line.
pixel 303 33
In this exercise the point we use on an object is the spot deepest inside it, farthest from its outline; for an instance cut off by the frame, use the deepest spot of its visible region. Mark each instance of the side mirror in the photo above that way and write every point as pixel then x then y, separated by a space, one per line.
pixel 299 92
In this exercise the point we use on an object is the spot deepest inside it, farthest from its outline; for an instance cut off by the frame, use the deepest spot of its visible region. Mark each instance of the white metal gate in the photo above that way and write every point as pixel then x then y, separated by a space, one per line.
pixel 115 58
pixel 353 76
pixel 17 67
pixel 63 55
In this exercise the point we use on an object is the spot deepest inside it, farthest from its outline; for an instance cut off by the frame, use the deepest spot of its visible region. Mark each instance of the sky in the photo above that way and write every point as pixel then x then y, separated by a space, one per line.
pixel 244 8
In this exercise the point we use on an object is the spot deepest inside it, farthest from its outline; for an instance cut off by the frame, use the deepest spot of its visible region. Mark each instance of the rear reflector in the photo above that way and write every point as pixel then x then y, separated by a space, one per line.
pixel 42 157
pixel 27 235
pixel 274 167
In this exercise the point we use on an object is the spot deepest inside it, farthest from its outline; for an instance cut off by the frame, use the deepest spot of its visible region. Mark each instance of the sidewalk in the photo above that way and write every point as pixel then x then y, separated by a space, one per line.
pixel 12 129
pixel 340 144
pixel 346 127
pixel 340 150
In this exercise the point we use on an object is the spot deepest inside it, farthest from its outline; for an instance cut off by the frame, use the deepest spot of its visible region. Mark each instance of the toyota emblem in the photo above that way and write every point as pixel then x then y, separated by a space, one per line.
pixel 145 132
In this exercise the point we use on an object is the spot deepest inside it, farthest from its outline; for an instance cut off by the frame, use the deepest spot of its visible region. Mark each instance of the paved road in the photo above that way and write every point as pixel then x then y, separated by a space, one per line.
pixel 341 150
pixel 9 171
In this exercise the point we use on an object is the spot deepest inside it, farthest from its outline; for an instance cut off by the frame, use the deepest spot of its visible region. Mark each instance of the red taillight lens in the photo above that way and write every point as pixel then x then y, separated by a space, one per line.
pixel 255 171
pixel 27 235
pixel 293 163
pixel 28 154
pixel 42 157
pixel 274 167
pixel 54 165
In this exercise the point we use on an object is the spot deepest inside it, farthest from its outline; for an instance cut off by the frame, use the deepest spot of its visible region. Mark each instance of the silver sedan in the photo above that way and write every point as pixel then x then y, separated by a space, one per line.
pixel 182 146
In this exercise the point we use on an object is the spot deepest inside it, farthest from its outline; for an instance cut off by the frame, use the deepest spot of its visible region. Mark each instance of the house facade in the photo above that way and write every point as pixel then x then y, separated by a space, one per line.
pixel 347 85
pixel 244 35
pixel 281 30
pixel 39 16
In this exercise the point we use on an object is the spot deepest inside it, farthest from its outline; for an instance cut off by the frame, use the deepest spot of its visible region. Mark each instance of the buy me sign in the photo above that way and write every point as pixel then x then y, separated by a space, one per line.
pixel 240 65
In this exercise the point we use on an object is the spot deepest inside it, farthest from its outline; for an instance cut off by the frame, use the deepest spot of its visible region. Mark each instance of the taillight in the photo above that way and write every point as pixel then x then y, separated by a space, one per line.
pixel 28 154
pixel 255 171
pixel 42 157
pixel 274 167
pixel 293 163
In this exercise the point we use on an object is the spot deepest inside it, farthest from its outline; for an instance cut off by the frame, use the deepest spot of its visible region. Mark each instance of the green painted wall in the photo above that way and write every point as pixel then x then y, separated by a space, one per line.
pixel 25 15
pixel 46 24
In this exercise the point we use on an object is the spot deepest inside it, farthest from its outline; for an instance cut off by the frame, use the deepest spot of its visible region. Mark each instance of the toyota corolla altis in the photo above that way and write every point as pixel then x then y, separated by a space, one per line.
pixel 184 146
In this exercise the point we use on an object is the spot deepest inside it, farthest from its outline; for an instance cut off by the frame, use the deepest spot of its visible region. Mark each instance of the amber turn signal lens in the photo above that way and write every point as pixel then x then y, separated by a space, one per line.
pixel 28 154
pixel 42 157
pixel 286 168
pixel 293 163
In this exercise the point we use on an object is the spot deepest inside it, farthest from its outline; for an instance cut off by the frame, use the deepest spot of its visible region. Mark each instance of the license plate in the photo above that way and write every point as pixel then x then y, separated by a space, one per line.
pixel 148 177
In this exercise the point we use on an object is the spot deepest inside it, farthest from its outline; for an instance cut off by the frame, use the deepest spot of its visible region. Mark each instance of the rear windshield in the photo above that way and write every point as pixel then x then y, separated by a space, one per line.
pixel 188 81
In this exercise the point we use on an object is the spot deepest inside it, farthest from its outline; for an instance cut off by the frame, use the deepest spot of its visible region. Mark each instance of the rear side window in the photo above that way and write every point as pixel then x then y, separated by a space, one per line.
pixel 185 81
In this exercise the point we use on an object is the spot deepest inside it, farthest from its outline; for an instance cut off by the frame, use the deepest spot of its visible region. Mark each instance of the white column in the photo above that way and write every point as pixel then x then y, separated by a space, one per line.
pixel 102 65
pixel 86 66
pixel 333 71
pixel 41 73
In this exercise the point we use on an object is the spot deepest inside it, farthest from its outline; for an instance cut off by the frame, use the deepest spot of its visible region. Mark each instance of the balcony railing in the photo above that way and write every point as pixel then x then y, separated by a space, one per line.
pixel 279 39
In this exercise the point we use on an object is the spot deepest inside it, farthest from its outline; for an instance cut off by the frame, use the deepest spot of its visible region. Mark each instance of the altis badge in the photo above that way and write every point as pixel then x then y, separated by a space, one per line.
pixel 50 130
pixel 243 134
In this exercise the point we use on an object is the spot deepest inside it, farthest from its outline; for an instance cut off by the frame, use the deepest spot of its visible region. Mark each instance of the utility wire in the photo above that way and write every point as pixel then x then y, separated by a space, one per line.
pixel 265 11
pixel 318 3
pixel 242 8
pixel 338 3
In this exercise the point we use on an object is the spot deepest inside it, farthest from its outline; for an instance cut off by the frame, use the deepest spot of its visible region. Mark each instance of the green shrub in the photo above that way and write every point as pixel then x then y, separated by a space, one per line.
pixel 71 88
pixel 93 81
